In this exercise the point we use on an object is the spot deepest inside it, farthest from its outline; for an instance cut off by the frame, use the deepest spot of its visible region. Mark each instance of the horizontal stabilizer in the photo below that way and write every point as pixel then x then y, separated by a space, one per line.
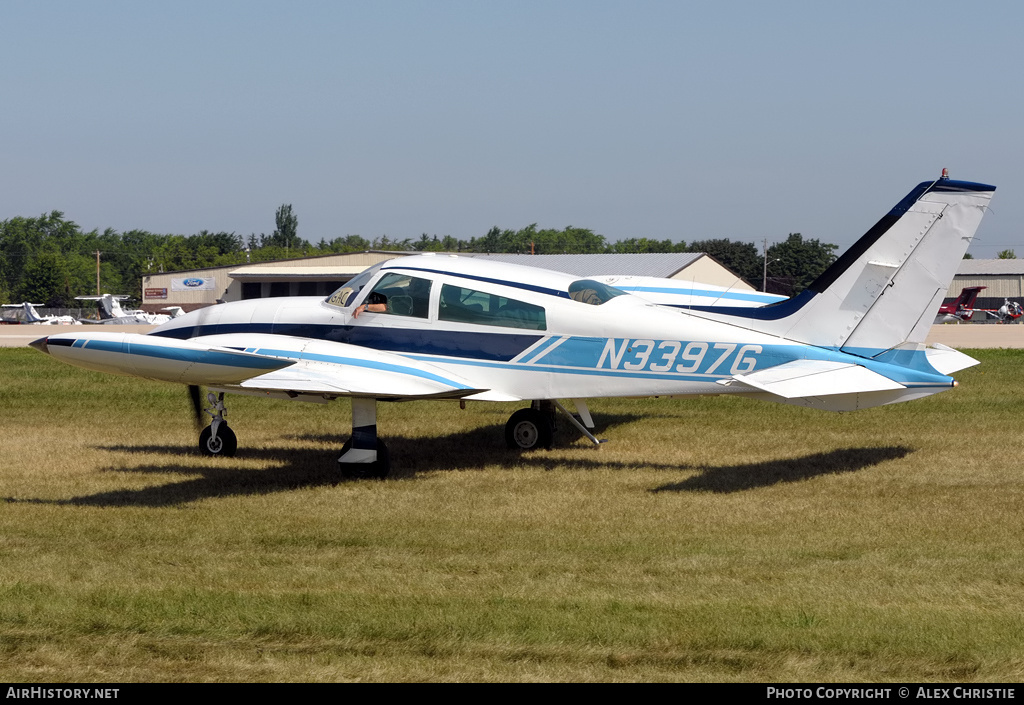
pixel 815 378
pixel 946 360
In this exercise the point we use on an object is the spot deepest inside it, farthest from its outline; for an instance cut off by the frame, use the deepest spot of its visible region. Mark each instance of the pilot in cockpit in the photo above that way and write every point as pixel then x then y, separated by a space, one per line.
pixel 376 302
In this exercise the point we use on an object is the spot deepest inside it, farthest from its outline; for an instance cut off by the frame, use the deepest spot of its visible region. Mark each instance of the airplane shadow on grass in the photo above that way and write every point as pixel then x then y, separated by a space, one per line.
pixel 736 478
pixel 471 450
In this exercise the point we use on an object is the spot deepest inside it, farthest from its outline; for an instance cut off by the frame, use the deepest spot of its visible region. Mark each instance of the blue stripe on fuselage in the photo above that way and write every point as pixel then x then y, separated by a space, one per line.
pixel 423 341
pixel 707 293
pixel 693 360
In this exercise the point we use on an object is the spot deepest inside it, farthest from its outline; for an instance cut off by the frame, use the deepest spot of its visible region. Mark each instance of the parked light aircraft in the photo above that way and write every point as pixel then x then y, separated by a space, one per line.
pixel 111 313
pixel 448 327
pixel 26 313
pixel 962 309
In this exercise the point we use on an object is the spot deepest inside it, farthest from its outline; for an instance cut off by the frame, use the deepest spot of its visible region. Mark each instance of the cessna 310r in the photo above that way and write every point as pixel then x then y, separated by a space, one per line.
pixel 448 327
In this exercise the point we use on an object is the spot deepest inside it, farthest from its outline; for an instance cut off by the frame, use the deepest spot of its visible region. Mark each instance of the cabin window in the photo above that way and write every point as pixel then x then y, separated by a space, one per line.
pixel 403 295
pixel 469 306
pixel 588 291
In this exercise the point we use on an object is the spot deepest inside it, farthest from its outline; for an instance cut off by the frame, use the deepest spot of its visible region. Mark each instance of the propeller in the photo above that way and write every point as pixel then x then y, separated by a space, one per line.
pixel 195 393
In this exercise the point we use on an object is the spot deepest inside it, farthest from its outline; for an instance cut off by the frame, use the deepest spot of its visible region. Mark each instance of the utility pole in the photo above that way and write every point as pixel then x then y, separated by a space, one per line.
pixel 97 272
pixel 764 276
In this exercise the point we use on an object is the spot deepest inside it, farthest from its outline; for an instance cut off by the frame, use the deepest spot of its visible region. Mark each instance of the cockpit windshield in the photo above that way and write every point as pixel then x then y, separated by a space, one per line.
pixel 346 295
pixel 588 291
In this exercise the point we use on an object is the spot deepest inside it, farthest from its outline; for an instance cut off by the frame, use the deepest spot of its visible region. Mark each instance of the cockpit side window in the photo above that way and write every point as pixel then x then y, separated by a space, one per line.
pixel 470 306
pixel 402 295
pixel 588 291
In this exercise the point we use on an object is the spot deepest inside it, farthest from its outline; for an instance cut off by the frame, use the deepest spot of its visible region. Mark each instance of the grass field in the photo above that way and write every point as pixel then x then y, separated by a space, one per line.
pixel 714 539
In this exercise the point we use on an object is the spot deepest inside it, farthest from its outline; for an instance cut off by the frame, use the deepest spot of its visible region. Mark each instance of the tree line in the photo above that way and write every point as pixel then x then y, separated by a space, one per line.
pixel 50 259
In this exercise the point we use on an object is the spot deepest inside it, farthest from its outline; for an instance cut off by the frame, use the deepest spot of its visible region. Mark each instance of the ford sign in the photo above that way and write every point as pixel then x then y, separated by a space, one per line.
pixel 194 284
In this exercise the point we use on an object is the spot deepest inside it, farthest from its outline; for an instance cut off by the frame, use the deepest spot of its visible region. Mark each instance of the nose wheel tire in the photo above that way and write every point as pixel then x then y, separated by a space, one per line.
pixel 225 444
pixel 528 429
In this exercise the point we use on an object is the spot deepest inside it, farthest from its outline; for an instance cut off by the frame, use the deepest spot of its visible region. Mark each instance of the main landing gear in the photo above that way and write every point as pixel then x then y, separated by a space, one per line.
pixel 534 428
pixel 364 456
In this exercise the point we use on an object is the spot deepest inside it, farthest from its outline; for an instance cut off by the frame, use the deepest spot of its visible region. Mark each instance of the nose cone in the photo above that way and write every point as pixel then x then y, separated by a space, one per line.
pixel 40 345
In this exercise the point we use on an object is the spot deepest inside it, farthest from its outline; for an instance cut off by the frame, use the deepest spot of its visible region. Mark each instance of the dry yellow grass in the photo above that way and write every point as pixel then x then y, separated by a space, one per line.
pixel 710 539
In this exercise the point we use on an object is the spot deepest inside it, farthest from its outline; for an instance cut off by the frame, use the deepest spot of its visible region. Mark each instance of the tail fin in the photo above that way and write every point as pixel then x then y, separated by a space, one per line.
pixel 31 315
pixel 884 291
pixel 968 297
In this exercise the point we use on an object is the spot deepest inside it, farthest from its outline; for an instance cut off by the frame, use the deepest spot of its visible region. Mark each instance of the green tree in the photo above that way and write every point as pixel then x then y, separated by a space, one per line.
pixel 571 240
pixel 428 244
pixel 1006 254
pixel 46 281
pixel 795 263
pixel 643 244
pixel 349 243
pixel 22 239
pixel 286 231
pixel 528 240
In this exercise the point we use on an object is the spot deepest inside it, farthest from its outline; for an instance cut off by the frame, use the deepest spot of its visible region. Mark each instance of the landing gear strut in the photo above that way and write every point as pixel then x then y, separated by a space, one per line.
pixel 217 438
pixel 364 456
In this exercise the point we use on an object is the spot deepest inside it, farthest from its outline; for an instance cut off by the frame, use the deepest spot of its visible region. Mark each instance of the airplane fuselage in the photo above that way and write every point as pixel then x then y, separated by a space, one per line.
pixel 624 346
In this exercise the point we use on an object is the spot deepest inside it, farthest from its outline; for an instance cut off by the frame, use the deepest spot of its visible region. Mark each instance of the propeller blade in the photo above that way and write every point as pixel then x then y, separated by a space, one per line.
pixel 195 393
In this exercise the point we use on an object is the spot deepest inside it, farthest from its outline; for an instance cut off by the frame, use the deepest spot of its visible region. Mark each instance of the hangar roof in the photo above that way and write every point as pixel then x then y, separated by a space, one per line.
pixel 974 267
pixel 325 272
pixel 660 264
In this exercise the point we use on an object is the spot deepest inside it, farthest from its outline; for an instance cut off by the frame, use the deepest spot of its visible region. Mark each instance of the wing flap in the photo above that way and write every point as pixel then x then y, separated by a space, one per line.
pixel 816 378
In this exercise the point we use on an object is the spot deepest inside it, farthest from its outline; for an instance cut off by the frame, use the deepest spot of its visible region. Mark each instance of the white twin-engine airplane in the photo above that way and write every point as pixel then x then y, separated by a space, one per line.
pixel 447 327
pixel 110 312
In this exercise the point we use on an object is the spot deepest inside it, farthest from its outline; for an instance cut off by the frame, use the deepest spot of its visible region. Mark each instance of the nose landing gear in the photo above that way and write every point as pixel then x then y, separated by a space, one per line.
pixel 217 438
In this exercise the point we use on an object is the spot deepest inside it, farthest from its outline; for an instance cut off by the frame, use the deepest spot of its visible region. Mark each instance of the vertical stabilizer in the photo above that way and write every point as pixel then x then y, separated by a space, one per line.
pixel 884 291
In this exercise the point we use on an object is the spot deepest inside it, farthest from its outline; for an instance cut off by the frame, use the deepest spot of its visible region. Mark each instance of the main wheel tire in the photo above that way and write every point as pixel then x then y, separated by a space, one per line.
pixel 377 470
pixel 225 444
pixel 528 429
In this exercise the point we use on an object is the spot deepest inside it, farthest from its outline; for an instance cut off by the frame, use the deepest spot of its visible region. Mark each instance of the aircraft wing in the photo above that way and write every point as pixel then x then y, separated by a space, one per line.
pixel 816 378
pixel 339 369
pixel 275 364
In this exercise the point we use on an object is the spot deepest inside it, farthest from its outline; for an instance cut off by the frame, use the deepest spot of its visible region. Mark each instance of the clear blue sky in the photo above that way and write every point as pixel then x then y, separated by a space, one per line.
pixel 680 120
